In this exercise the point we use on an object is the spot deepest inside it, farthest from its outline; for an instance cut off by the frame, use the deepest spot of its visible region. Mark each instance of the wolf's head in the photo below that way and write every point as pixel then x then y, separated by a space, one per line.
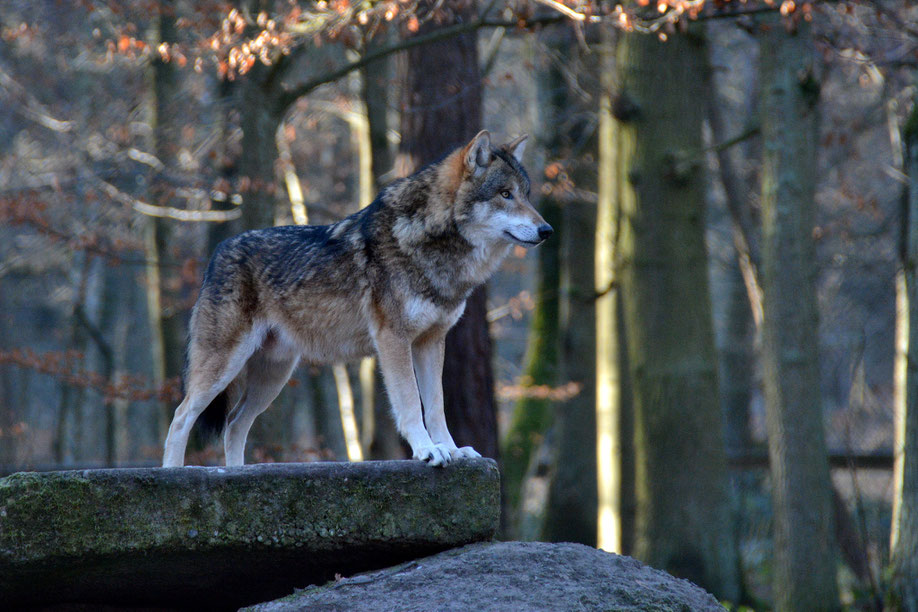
pixel 493 194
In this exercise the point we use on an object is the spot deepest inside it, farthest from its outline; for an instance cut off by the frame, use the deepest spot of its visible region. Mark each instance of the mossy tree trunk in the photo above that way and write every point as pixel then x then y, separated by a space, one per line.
pixel 441 110
pixel 904 538
pixel 683 517
pixel 533 414
pixel 804 558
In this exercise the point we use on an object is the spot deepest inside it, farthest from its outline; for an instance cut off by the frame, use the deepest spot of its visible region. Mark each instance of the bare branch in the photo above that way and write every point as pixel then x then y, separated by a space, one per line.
pixel 179 214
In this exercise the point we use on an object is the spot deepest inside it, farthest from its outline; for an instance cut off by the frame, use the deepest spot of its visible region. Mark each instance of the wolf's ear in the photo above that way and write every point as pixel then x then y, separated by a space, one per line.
pixel 478 153
pixel 517 147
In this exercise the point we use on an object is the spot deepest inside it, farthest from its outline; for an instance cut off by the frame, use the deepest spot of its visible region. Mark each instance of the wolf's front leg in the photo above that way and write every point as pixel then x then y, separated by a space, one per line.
pixel 398 374
pixel 428 367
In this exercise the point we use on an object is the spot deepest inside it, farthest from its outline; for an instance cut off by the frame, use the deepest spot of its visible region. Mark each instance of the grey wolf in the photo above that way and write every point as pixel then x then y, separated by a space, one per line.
pixel 389 280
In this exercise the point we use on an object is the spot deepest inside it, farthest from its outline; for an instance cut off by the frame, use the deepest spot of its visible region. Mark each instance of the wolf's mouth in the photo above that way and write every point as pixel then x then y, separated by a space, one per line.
pixel 520 240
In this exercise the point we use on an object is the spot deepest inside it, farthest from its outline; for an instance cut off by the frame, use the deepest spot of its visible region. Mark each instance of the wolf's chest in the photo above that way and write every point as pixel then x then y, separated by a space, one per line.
pixel 421 314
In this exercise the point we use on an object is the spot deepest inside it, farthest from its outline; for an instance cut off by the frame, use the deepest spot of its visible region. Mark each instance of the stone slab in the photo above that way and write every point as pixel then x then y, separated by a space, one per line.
pixel 224 537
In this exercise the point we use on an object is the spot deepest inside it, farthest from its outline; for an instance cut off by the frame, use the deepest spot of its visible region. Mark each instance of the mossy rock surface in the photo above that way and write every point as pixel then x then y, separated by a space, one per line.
pixel 506 576
pixel 224 537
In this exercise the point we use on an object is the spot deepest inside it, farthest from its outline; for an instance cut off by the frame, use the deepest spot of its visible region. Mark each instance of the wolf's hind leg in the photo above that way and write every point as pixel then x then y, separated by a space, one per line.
pixel 398 373
pixel 207 376
pixel 266 374
pixel 428 367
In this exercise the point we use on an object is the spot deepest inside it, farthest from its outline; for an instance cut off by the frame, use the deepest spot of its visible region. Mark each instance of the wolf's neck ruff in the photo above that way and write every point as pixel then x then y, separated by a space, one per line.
pixel 391 279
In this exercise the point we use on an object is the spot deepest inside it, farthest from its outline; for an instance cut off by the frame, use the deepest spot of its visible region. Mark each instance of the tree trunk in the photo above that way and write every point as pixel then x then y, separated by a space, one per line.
pixel 532 416
pixel 737 355
pixel 438 114
pixel 257 165
pixel 374 80
pixel 904 537
pixel 570 513
pixel 683 512
pixel 166 320
pixel 608 346
pixel 805 556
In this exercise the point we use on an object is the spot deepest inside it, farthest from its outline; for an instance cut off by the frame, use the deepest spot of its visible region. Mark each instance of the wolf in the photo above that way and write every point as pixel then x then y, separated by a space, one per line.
pixel 389 280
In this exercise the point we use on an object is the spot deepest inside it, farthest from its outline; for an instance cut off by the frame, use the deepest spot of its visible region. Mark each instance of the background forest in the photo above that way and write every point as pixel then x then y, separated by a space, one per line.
pixel 708 367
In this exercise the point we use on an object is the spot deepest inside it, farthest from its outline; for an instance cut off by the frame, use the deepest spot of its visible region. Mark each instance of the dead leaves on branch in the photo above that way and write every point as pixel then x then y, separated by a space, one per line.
pixel 243 40
pixel 67 367
pixel 29 210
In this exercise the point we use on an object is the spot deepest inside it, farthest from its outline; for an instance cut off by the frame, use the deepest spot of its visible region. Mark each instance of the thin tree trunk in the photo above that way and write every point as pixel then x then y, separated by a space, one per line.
pixel 165 316
pixel 904 537
pixel 437 115
pixel 683 514
pixel 608 347
pixel 346 412
pixel 804 537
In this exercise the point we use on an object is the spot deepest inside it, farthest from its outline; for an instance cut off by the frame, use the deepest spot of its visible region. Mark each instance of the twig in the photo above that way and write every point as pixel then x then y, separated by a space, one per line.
pixel 567 11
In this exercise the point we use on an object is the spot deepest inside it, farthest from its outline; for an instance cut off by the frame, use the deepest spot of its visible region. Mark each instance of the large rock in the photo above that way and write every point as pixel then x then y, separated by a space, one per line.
pixel 507 576
pixel 224 537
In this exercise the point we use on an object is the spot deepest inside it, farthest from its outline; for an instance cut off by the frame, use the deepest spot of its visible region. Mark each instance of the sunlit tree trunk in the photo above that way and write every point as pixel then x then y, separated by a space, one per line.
pixel 608 347
pixel 904 538
pixel 683 517
pixel 804 557
pixel 441 110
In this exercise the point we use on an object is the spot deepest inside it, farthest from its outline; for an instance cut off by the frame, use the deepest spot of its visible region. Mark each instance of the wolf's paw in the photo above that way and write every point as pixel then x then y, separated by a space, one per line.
pixel 437 455
pixel 466 452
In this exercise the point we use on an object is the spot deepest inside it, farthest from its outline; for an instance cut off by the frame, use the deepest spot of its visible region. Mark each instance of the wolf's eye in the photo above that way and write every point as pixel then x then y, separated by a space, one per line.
pixel 504 193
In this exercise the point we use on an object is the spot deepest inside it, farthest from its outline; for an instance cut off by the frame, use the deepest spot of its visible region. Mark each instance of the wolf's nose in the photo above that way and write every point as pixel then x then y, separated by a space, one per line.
pixel 545 231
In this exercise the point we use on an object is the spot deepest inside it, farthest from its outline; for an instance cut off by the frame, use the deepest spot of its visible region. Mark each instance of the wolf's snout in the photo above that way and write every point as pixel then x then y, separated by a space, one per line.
pixel 545 231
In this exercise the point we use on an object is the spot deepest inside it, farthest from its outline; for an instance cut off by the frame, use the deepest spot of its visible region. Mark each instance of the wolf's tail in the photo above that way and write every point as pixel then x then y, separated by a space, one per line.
pixel 213 420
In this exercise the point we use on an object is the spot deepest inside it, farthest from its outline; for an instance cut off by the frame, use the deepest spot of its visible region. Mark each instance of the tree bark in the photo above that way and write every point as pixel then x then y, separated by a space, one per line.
pixel 441 110
pixel 571 508
pixel 683 517
pixel 258 163
pixel 904 537
pixel 804 547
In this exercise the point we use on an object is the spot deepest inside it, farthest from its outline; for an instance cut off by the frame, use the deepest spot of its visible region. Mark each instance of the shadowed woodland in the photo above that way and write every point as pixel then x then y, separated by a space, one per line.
pixel 710 366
